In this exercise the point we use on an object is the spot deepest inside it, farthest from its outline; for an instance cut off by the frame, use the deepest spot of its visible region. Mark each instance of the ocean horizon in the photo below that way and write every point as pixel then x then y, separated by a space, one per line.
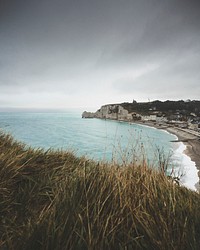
pixel 100 140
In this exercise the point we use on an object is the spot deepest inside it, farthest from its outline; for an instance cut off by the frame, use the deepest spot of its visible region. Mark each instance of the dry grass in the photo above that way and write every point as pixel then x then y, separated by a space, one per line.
pixel 55 200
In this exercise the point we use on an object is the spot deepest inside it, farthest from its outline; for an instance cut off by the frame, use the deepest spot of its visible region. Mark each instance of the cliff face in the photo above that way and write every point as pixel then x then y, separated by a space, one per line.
pixel 111 111
pixel 86 114
pixel 150 111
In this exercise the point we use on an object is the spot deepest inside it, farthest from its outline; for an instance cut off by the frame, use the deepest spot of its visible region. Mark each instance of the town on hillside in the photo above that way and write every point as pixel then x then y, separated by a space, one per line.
pixel 181 114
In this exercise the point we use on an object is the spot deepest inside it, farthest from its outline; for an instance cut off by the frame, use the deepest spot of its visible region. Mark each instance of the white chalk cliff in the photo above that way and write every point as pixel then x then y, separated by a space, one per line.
pixel 110 111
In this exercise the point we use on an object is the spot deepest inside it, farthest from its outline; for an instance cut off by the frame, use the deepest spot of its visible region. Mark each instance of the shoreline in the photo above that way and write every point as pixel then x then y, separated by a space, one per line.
pixel 191 142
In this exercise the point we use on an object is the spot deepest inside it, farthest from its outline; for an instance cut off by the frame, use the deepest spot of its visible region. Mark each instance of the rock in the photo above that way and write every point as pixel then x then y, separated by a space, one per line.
pixel 110 111
pixel 86 114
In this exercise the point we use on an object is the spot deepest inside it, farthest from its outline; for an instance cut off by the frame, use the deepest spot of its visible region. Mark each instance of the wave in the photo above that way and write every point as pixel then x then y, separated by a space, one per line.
pixel 187 167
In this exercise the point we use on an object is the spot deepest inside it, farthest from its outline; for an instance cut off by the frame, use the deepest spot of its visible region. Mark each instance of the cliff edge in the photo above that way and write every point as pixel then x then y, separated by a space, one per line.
pixel 110 111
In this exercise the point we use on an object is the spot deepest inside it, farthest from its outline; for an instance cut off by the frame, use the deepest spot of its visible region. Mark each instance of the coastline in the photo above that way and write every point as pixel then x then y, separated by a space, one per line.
pixel 192 148
pixel 191 142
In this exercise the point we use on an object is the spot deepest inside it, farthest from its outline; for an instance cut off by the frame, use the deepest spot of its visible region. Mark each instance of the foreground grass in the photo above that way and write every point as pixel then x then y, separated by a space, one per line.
pixel 54 200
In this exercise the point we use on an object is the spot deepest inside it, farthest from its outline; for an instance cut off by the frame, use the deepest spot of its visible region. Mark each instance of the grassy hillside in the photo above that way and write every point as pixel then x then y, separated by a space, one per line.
pixel 54 200
pixel 186 107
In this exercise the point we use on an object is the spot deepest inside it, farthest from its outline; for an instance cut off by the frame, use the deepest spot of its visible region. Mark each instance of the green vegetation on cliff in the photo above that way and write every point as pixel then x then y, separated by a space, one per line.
pixel 54 200
pixel 167 106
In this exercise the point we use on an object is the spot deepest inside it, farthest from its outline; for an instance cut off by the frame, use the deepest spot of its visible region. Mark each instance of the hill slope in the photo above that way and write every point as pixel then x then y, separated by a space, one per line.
pixel 143 107
pixel 54 200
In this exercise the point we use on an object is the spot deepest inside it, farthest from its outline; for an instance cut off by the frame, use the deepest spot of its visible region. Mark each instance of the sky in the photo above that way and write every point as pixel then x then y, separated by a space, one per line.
pixel 86 53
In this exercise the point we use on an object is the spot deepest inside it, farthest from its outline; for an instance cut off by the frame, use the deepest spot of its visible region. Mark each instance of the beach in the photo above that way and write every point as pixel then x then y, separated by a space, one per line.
pixel 191 141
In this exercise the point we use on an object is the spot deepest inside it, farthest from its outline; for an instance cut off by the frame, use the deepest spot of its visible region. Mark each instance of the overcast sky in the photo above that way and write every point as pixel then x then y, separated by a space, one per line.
pixel 86 53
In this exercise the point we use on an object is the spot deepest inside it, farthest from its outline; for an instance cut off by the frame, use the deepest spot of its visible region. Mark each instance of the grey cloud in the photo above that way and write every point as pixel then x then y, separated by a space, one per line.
pixel 171 80
pixel 173 28
pixel 81 47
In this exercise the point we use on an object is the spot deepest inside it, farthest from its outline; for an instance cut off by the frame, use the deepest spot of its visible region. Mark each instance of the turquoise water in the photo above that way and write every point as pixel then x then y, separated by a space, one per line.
pixel 100 140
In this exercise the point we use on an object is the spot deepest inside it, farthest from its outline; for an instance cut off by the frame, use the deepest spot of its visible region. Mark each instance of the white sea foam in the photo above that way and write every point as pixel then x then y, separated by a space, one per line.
pixel 188 169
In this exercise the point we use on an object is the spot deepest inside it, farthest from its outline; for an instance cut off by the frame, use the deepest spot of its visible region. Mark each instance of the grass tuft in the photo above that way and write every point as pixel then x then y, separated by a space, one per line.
pixel 55 200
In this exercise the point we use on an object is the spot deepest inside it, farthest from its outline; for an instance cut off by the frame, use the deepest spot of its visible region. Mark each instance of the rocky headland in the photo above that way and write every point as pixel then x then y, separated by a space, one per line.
pixel 110 111
pixel 179 118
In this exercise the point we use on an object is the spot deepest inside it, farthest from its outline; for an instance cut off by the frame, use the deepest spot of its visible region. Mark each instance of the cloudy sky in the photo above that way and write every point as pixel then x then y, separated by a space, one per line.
pixel 85 53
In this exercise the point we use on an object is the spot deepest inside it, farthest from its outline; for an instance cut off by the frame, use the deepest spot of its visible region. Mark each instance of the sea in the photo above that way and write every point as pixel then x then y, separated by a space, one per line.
pixel 102 140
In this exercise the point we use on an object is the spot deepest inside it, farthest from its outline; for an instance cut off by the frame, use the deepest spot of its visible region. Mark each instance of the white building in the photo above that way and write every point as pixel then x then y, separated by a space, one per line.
pixel 148 117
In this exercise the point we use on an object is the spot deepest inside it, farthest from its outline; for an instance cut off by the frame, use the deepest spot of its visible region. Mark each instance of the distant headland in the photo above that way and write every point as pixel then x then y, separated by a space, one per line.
pixel 185 114
pixel 181 118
